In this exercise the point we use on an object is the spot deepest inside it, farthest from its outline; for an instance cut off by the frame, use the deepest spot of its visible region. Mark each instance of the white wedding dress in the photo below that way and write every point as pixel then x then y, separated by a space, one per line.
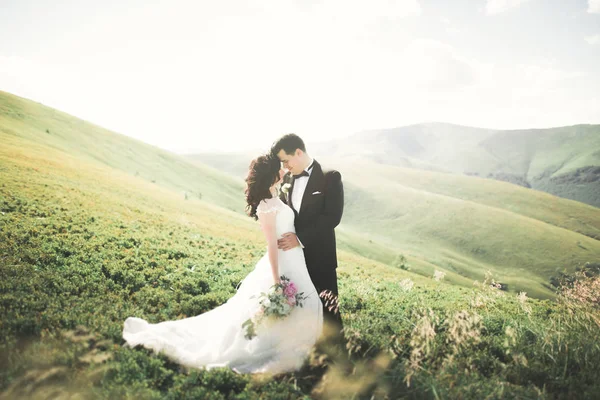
pixel 216 338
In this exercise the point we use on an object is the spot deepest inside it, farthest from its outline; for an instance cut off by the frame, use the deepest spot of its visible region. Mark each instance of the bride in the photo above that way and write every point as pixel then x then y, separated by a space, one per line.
pixel 216 338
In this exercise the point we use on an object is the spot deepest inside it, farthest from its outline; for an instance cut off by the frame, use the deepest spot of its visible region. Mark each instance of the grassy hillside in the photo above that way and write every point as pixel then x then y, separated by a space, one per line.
pixel 541 206
pixel 29 124
pixel 468 237
pixel 83 245
pixel 582 184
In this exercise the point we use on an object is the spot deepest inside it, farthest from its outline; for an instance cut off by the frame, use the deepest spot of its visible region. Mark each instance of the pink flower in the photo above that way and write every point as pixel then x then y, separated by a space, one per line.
pixel 290 290
pixel 291 301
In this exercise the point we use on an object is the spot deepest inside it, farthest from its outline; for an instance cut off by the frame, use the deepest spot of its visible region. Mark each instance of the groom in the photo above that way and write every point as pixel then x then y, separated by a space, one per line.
pixel 317 198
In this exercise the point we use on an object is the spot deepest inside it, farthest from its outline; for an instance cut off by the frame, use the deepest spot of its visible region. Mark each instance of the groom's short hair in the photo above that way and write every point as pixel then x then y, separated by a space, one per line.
pixel 288 143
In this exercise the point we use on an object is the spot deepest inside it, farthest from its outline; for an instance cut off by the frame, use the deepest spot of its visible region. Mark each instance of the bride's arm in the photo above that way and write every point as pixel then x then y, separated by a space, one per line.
pixel 267 224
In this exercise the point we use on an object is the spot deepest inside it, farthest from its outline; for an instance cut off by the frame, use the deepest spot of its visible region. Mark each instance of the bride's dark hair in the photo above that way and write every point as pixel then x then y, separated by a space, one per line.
pixel 262 174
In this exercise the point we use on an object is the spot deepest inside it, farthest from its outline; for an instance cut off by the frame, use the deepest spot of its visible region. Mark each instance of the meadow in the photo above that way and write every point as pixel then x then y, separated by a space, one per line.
pixel 84 245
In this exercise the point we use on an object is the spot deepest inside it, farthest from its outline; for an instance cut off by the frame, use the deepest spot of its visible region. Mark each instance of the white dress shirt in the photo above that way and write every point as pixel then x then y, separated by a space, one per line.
pixel 300 188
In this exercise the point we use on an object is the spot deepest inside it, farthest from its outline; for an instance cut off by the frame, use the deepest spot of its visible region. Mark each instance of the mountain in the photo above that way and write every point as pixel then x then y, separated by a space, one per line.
pixel 556 160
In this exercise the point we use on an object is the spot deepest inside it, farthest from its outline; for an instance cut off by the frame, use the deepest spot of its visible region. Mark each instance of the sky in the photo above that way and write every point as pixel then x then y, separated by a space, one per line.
pixel 233 75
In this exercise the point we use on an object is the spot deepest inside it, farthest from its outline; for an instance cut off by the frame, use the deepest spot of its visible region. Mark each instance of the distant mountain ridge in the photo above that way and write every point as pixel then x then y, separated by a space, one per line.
pixel 551 160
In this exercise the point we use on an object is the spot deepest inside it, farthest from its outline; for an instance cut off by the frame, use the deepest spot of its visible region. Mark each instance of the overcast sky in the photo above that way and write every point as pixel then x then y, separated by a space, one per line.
pixel 232 75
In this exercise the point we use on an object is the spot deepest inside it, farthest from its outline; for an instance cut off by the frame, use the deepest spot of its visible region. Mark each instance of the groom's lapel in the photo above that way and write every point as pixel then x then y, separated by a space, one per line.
pixel 314 182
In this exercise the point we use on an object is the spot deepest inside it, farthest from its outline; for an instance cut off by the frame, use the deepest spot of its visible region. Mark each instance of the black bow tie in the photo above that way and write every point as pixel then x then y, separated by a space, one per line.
pixel 305 172
pixel 300 175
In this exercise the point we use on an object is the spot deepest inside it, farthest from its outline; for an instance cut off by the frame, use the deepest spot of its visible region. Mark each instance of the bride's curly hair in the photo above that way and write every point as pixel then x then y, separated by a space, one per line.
pixel 262 174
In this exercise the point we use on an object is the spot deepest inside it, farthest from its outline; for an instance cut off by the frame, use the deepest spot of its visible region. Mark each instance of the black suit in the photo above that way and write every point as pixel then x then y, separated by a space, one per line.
pixel 315 222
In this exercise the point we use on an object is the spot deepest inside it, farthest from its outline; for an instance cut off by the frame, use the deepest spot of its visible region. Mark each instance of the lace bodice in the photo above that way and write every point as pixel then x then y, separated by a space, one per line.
pixel 285 215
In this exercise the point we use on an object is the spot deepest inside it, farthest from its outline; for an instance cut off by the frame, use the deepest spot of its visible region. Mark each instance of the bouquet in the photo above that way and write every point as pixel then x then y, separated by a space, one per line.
pixel 278 302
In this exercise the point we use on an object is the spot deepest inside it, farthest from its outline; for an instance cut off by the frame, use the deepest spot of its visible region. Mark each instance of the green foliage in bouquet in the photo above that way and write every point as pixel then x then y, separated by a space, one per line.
pixel 278 302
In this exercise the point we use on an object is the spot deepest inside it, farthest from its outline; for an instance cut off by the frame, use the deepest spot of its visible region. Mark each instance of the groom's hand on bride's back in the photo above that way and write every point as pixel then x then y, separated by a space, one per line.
pixel 288 242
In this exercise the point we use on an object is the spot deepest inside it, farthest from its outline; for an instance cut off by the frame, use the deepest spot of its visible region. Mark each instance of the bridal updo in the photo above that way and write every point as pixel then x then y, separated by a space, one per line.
pixel 262 174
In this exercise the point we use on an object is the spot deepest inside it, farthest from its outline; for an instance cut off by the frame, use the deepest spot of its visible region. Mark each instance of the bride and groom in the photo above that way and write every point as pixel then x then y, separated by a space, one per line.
pixel 298 211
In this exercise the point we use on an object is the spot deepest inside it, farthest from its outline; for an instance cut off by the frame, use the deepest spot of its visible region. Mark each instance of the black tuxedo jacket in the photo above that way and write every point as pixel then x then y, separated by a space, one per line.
pixel 321 211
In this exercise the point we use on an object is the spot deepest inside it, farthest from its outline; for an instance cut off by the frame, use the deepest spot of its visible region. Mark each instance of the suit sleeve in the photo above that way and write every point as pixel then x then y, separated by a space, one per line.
pixel 331 215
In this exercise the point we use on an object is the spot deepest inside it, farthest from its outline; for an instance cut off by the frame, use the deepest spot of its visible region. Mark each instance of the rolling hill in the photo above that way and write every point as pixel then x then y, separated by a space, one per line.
pixel 468 225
